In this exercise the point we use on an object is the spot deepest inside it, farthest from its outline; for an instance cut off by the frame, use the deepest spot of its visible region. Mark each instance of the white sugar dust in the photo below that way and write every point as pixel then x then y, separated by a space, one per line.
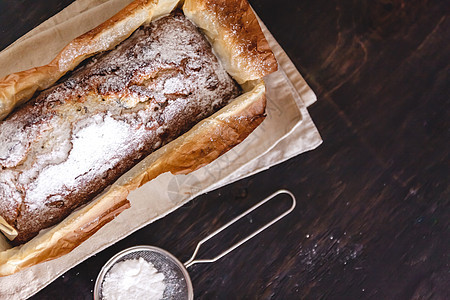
pixel 133 279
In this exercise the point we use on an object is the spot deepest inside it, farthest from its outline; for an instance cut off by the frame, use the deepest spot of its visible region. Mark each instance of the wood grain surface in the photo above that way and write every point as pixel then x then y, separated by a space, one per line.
pixel 372 220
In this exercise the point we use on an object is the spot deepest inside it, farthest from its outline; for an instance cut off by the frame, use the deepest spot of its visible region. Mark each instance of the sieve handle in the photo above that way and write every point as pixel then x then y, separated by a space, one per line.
pixel 193 261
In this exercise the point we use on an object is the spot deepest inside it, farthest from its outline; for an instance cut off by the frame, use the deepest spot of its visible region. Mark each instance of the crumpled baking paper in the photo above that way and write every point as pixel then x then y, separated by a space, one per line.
pixel 287 131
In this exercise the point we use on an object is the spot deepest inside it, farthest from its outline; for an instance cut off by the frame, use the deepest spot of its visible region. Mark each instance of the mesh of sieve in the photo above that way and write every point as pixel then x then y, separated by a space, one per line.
pixel 177 280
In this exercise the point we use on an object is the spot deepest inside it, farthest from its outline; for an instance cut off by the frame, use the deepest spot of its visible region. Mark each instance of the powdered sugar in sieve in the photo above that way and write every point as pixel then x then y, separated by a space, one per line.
pixel 176 278
pixel 177 282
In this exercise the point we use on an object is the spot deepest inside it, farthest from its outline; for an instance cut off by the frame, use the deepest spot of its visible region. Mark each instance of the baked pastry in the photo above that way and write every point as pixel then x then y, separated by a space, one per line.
pixel 65 146
pixel 77 137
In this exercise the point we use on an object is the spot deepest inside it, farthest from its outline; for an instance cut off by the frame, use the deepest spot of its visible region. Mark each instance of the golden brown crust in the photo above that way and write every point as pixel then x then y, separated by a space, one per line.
pixel 233 29
pixel 246 56
pixel 205 142
pixel 65 236
pixel 184 87
pixel 19 87
pixel 231 26
pixel 212 137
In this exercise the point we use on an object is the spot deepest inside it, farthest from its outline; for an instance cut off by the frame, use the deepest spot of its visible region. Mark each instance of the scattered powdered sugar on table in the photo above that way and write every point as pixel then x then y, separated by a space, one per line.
pixel 133 279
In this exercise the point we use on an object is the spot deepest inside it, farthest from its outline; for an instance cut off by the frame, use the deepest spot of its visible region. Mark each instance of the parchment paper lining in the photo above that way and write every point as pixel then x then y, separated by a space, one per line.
pixel 288 131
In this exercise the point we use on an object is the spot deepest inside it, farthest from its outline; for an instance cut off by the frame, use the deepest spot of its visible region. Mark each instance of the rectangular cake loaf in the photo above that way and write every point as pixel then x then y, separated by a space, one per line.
pixel 70 142
pixel 153 89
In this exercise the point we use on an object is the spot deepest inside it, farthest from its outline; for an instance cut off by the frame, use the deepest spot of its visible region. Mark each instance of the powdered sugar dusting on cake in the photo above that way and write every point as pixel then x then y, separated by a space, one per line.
pixel 12 150
pixel 94 150
pixel 15 141
pixel 103 118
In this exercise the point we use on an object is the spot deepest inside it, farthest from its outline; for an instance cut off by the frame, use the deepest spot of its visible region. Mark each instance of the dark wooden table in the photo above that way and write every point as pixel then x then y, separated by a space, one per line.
pixel 373 214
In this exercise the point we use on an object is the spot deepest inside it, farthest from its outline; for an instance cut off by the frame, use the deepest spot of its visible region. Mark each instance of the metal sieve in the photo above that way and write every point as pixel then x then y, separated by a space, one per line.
pixel 177 280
